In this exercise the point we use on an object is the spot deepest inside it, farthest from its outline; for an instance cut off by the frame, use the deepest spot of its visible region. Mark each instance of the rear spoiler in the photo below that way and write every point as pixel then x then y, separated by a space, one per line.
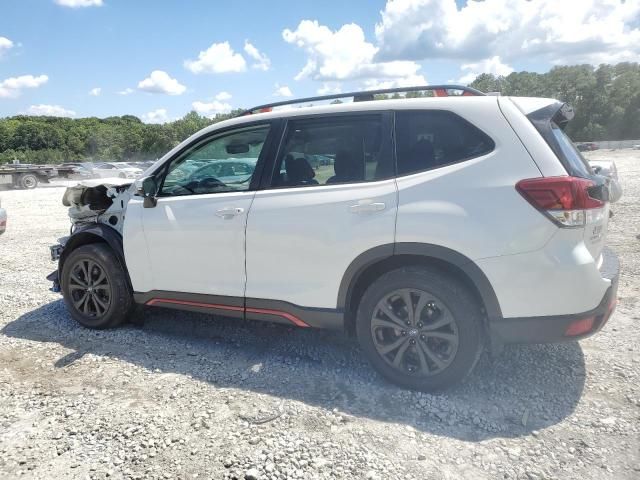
pixel 558 112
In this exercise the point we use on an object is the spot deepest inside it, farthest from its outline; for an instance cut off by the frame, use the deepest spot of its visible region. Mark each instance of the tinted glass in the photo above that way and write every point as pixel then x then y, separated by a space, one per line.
pixel 569 151
pixel 333 150
pixel 431 139
pixel 221 164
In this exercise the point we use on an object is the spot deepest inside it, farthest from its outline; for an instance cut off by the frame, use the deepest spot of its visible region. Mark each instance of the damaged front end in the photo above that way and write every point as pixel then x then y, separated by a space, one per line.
pixel 97 207
pixel 98 201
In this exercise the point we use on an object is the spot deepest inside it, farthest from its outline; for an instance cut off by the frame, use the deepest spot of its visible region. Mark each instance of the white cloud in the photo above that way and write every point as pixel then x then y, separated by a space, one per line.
pixel 282 91
pixel 126 91
pixel 156 116
pixel 79 3
pixel 261 61
pixel 343 54
pixel 161 82
pixel 490 65
pixel 211 109
pixel 50 111
pixel 12 87
pixel 409 81
pixel 557 31
pixel 5 45
pixel 328 88
pixel 95 92
pixel 218 58
pixel 222 96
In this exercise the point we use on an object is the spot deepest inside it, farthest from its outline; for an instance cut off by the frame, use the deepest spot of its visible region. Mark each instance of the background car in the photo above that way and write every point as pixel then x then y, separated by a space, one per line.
pixel 74 170
pixel 587 146
pixel 115 169
pixel 128 170
pixel 608 169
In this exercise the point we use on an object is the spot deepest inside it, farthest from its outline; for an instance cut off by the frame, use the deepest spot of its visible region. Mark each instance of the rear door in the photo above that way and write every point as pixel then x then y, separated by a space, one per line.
pixel 330 197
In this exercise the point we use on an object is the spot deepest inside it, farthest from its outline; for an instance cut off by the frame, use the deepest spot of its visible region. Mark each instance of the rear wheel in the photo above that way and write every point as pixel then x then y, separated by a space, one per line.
pixel 28 181
pixel 95 287
pixel 420 329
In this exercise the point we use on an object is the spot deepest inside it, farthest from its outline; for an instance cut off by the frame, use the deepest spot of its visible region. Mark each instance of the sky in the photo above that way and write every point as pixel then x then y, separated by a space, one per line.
pixel 159 60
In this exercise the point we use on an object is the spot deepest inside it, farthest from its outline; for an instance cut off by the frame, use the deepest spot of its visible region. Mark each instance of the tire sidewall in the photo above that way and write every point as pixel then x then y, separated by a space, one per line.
pixel 23 182
pixel 455 297
pixel 121 299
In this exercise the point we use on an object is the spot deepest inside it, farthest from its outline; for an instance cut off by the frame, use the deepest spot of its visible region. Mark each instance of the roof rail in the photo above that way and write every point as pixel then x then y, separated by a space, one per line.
pixel 363 96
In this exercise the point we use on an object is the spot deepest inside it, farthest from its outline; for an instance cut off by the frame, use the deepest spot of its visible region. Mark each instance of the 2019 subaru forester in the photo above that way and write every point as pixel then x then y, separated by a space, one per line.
pixel 433 229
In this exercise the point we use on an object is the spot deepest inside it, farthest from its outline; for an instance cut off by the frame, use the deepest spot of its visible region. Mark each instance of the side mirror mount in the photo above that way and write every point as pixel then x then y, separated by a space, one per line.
pixel 147 188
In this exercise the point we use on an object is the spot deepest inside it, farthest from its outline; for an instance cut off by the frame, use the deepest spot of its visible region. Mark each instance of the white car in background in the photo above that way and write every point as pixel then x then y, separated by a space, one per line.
pixel 115 170
pixel 129 170
pixel 3 219
pixel 106 170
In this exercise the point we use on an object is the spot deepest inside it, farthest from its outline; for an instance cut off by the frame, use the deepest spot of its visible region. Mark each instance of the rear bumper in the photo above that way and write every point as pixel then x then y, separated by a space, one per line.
pixel 554 329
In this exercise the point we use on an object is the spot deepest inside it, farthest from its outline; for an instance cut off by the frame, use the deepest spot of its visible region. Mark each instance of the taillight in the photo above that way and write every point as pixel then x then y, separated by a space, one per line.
pixel 566 200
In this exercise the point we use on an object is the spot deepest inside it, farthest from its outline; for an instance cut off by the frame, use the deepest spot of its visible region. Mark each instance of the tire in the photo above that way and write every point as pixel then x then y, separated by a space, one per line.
pixel 108 300
pixel 28 181
pixel 443 342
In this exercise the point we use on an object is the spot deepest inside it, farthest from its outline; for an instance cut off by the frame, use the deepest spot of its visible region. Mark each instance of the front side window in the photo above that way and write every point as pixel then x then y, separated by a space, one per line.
pixel 224 163
pixel 332 150
pixel 434 138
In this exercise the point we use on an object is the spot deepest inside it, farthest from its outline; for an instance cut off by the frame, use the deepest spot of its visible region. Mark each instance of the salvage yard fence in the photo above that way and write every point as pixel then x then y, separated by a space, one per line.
pixel 615 144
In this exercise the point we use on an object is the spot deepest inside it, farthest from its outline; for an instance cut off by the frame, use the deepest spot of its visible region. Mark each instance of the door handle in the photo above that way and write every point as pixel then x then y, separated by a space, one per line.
pixel 229 212
pixel 367 206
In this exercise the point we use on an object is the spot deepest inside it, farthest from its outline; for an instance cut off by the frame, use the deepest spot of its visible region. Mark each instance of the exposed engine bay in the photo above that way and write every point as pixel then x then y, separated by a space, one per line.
pixel 101 200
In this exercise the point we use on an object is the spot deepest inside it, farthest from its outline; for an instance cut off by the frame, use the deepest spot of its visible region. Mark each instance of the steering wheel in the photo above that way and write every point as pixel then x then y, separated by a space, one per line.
pixel 209 183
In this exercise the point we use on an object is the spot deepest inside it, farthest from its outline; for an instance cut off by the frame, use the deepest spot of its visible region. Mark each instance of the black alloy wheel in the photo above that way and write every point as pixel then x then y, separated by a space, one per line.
pixel 415 332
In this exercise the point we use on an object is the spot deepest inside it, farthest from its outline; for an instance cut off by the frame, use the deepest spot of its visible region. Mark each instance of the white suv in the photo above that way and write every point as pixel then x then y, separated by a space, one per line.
pixel 432 228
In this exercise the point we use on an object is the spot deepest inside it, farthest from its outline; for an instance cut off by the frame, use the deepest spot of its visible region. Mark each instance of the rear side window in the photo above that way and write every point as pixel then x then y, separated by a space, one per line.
pixel 333 150
pixel 434 138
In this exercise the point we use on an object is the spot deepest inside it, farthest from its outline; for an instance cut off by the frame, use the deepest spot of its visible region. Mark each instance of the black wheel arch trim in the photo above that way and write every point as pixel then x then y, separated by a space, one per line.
pixel 95 233
pixel 427 250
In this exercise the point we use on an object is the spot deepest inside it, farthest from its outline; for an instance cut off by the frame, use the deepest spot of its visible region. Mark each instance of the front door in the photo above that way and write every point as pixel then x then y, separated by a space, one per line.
pixel 195 234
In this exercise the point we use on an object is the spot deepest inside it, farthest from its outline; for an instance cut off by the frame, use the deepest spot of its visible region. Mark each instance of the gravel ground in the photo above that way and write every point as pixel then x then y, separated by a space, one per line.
pixel 189 396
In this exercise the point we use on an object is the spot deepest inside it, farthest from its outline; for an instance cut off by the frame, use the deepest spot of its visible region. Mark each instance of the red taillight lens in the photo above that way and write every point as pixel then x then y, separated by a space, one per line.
pixel 559 193
pixel 564 199
pixel 580 327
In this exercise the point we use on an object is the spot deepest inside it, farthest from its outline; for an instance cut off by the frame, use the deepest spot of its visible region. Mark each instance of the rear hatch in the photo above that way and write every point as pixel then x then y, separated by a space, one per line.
pixel 551 122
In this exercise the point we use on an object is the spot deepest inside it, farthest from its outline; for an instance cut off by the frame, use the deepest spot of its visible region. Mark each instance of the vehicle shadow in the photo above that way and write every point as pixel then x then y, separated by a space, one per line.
pixel 526 388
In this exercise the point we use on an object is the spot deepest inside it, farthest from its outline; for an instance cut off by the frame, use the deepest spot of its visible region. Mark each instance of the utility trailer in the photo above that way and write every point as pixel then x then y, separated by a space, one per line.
pixel 26 176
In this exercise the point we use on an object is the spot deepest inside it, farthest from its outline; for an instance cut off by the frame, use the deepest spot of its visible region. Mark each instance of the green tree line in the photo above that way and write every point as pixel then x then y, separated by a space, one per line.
pixel 606 100
pixel 40 140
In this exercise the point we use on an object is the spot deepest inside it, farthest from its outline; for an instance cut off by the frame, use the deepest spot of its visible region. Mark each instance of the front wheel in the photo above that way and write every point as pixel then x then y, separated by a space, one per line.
pixel 95 287
pixel 420 329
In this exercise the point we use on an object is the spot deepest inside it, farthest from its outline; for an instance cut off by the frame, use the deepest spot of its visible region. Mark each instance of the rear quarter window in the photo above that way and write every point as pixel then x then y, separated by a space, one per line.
pixel 570 154
pixel 434 138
